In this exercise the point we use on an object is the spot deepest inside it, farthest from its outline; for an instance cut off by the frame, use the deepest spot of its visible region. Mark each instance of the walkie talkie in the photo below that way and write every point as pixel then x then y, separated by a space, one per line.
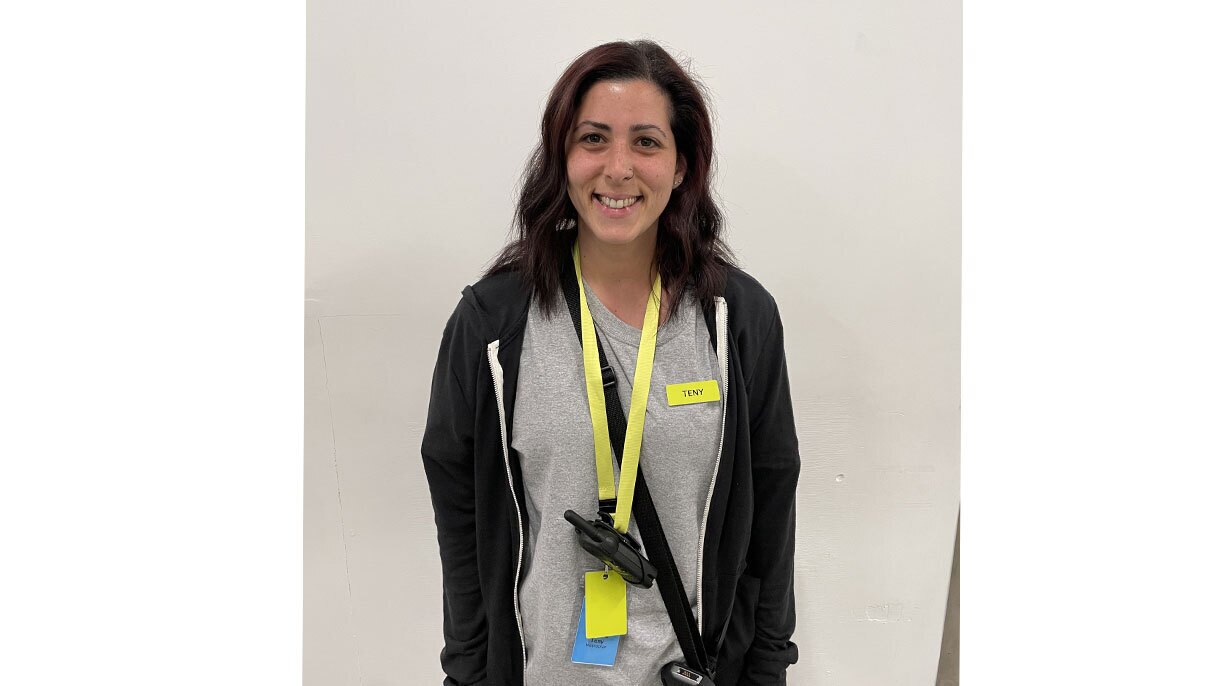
pixel 621 552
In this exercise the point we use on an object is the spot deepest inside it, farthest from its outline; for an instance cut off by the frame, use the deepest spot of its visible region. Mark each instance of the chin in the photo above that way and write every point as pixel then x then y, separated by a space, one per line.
pixel 614 235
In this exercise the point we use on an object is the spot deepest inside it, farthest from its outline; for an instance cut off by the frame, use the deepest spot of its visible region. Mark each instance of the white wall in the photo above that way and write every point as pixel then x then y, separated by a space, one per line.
pixel 839 158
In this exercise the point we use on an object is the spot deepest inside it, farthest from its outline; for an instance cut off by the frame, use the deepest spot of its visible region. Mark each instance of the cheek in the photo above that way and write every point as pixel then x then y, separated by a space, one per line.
pixel 579 169
pixel 661 175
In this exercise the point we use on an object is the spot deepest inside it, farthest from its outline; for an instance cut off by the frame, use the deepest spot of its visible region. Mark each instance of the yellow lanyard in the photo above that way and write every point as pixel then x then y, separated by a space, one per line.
pixel 597 401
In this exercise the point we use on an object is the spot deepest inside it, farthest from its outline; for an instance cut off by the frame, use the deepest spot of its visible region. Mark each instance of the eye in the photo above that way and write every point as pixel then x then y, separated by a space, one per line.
pixel 592 138
pixel 649 142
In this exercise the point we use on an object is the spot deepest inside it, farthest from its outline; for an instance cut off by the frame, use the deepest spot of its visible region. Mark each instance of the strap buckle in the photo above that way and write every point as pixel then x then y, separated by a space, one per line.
pixel 608 377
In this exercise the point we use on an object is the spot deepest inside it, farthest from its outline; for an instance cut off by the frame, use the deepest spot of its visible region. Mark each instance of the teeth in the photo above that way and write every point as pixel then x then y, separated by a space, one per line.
pixel 615 204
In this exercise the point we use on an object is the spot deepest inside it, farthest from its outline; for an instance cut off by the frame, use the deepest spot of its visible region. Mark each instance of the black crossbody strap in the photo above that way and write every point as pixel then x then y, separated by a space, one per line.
pixel 668 579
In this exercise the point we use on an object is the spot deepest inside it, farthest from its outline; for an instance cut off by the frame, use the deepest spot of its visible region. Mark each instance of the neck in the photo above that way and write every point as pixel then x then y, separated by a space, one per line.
pixel 619 268
pixel 621 276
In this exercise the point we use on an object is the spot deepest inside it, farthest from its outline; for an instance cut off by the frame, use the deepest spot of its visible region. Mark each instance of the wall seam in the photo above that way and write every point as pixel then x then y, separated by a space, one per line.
pixel 334 453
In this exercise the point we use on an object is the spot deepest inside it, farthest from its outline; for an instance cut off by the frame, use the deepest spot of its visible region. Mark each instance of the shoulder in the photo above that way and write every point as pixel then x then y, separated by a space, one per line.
pixel 495 305
pixel 751 306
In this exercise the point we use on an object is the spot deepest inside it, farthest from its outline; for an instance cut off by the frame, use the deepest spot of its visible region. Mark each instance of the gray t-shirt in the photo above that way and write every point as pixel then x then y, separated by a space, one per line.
pixel 553 435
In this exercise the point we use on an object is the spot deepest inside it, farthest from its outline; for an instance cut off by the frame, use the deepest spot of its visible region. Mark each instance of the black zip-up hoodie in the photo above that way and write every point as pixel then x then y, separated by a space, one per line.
pixel 747 603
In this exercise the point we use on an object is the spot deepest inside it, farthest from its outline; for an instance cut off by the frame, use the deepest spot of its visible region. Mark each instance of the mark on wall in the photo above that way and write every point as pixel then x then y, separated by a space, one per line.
pixel 884 612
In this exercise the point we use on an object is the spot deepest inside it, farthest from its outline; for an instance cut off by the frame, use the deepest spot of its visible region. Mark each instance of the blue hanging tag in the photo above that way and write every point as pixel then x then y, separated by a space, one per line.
pixel 593 651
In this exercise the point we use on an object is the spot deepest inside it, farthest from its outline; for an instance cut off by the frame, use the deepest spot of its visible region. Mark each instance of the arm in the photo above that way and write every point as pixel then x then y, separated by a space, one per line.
pixel 448 457
pixel 775 465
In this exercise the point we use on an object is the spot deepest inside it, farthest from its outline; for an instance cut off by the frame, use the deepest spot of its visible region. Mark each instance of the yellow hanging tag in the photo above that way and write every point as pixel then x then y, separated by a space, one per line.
pixel 605 604
pixel 693 392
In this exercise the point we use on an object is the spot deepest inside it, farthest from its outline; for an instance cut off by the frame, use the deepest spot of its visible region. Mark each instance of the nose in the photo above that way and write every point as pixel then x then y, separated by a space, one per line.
pixel 618 163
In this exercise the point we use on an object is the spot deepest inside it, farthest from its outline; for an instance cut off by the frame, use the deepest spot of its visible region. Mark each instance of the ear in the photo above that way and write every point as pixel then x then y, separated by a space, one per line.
pixel 680 172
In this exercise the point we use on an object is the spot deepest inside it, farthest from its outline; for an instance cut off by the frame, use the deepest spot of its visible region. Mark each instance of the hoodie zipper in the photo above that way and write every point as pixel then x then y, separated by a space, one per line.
pixel 497 377
pixel 722 351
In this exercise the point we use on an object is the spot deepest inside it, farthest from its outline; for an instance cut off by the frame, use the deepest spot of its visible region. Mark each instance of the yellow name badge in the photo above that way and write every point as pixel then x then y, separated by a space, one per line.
pixel 693 392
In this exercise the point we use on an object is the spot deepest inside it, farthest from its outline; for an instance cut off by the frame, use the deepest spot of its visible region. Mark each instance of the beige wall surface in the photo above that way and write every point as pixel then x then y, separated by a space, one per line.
pixel 838 141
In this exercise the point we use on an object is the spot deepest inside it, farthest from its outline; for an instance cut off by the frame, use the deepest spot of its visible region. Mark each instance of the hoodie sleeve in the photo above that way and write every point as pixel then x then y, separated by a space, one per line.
pixel 448 457
pixel 776 465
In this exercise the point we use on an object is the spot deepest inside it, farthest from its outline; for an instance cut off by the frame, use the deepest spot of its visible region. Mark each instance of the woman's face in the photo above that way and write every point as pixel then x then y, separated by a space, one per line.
pixel 623 162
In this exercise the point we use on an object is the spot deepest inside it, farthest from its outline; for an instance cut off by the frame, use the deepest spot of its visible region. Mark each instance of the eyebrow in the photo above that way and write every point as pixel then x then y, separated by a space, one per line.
pixel 634 127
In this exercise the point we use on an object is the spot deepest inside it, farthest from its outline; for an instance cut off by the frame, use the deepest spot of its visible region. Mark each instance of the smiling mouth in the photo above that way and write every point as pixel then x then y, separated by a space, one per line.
pixel 616 204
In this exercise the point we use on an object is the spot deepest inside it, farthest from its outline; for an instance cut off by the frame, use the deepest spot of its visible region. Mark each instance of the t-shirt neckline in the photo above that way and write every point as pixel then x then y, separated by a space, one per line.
pixel 609 324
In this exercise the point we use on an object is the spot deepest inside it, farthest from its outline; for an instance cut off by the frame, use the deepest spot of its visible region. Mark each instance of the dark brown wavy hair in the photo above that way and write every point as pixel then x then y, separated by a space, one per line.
pixel 690 252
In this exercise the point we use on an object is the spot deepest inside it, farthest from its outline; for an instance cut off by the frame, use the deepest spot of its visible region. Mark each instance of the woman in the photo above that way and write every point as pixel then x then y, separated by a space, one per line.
pixel 616 199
